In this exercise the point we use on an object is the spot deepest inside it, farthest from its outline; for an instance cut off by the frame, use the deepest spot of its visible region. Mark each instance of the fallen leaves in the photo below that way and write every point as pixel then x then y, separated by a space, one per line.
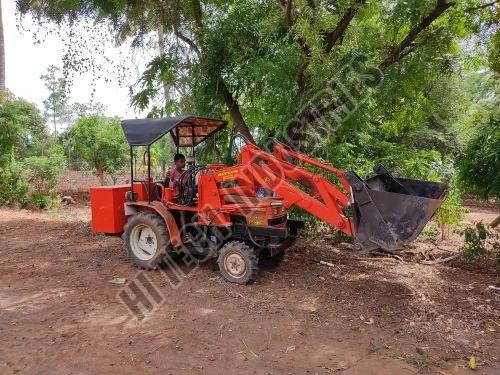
pixel 472 362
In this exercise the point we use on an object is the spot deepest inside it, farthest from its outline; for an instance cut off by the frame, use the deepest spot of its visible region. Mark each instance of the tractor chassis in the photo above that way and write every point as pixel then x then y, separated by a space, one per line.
pixel 275 240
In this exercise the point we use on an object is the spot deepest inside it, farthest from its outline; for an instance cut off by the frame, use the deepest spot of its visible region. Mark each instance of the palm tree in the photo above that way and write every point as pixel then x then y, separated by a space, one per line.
pixel 2 53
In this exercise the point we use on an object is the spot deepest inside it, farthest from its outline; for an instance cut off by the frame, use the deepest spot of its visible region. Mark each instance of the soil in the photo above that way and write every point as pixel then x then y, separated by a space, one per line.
pixel 364 313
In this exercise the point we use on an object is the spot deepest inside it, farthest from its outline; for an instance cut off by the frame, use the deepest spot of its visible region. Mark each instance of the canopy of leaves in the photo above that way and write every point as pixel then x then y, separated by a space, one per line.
pixel 479 166
pixel 22 129
pixel 355 82
pixel 100 142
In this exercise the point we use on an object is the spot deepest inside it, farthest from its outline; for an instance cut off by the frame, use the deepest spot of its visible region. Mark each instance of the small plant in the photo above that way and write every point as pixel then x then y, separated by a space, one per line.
pixel 449 214
pixel 73 185
pixel 422 362
pixel 430 232
pixel 480 242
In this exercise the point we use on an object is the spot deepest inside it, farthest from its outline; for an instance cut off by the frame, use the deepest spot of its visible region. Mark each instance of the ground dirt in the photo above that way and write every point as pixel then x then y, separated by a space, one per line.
pixel 362 314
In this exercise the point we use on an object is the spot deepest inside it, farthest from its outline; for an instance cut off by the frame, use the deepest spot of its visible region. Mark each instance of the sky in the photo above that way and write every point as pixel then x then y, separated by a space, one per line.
pixel 26 61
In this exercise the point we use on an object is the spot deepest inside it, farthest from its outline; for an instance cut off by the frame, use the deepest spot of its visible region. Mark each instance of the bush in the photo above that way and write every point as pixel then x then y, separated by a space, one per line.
pixel 480 242
pixel 479 166
pixel 42 172
pixel 12 189
pixel 449 214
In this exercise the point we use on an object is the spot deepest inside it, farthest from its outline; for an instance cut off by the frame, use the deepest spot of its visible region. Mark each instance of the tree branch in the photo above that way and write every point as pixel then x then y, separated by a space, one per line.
pixel 333 36
pixel 234 111
pixel 482 6
pixel 312 4
pixel 187 40
pixel 397 52
pixel 288 13
pixel 299 77
pixel 297 128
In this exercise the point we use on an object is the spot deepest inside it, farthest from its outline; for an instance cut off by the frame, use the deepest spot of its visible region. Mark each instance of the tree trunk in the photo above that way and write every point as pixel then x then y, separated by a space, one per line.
pixel 54 115
pixel 101 178
pixel 234 110
pixel 240 126
pixel 166 89
pixel 2 53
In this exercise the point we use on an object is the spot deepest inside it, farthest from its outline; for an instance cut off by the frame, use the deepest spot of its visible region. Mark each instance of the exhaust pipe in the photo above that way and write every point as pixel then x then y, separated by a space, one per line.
pixel 389 212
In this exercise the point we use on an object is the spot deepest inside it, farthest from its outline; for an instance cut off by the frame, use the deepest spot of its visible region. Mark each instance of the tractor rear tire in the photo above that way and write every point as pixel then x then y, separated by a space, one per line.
pixel 238 263
pixel 146 240
pixel 266 260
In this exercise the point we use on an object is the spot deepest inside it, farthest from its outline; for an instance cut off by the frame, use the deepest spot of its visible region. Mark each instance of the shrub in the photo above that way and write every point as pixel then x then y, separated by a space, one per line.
pixel 12 189
pixel 42 172
pixel 479 165
pixel 480 242
pixel 449 214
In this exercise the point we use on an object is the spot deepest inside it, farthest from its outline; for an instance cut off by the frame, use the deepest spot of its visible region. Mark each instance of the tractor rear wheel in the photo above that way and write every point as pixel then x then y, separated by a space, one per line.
pixel 146 240
pixel 238 263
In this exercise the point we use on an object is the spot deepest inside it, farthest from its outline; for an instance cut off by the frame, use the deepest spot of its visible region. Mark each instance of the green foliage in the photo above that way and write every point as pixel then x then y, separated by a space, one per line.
pixel 101 143
pixel 35 200
pixel 22 129
pixel 56 104
pixel 479 166
pixel 430 232
pixel 480 242
pixel 12 188
pixel 451 211
pixel 42 172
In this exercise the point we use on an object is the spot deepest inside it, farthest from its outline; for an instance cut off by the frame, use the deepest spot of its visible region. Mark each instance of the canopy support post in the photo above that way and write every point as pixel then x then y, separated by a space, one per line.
pixel 192 144
pixel 132 198
pixel 178 140
pixel 149 174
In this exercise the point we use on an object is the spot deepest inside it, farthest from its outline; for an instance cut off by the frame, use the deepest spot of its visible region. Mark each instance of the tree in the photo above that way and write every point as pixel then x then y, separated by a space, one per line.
pixel 100 142
pixel 2 53
pixel 22 129
pixel 184 21
pixel 351 81
pixel 87 109
pixel 56 104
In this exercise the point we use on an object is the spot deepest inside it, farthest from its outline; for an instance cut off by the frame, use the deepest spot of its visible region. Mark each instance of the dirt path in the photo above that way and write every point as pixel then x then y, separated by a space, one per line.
pixel 59 313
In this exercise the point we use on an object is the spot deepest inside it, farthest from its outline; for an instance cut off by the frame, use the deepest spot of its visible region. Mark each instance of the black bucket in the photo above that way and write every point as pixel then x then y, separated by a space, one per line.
pixel 389 212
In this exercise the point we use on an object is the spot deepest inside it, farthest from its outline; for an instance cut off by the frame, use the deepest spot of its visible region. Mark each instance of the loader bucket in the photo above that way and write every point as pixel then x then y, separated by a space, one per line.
pixel 389 212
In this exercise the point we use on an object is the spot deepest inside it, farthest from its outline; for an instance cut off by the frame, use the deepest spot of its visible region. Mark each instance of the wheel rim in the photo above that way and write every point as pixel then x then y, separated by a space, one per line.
pixel 143 242
pixel 235 265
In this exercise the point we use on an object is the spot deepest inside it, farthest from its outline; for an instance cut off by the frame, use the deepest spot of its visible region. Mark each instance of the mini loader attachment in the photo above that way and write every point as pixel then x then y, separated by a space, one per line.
pixel 389 212
pixel 385 212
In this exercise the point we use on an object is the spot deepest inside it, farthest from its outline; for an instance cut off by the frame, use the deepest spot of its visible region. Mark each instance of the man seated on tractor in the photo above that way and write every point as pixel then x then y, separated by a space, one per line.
pixel 172 176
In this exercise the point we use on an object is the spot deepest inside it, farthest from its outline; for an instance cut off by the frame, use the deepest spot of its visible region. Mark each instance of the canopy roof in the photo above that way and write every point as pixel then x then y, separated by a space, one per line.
pixel 187 131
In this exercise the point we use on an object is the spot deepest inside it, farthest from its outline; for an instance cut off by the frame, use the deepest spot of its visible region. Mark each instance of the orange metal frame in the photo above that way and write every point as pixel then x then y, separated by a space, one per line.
pixel 224 191
pixel 323 199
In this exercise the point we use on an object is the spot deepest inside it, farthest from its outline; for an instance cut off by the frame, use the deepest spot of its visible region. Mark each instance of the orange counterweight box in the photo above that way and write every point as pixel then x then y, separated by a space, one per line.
pixel 106 202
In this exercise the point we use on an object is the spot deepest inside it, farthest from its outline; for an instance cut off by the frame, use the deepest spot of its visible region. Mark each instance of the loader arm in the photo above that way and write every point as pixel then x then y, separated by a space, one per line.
pixel 297 185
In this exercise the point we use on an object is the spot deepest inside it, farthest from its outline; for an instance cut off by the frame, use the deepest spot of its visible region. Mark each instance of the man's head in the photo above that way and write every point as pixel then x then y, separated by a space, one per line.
pixel 179 161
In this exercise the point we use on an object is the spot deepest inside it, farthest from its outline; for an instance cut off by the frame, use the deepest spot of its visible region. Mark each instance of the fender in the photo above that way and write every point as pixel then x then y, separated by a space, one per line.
pixel 173 229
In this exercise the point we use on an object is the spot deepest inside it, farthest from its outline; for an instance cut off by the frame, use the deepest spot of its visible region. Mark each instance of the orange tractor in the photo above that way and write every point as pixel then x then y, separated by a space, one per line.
pixel 238 213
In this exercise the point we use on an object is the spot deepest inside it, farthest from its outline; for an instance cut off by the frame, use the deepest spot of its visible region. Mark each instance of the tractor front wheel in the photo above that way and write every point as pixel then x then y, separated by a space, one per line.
pixel 146 240
pixel 238 262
